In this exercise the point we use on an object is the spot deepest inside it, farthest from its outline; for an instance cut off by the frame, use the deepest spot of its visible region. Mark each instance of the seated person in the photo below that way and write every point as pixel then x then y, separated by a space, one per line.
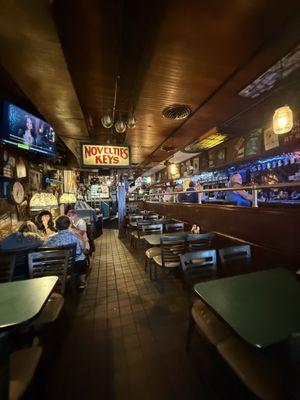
pixel 240 197
pixel 44 223
pixel 65 236
pixel 191 197
pixel 79 227
pixel 26 237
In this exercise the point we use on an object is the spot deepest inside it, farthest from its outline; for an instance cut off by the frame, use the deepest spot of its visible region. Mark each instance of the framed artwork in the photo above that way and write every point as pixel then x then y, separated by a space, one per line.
pixel 35 179
pixel 22 210
pixel 196 165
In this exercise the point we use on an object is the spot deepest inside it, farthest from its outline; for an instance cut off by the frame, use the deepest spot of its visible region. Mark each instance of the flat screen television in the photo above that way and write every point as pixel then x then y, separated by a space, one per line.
pixel 24 130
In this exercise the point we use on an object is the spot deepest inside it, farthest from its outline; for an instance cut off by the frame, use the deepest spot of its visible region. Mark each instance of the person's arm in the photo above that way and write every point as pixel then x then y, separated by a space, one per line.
pixel 245 194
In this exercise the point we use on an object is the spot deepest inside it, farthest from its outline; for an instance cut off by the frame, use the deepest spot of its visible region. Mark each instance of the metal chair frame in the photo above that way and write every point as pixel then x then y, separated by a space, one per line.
pixel 200 241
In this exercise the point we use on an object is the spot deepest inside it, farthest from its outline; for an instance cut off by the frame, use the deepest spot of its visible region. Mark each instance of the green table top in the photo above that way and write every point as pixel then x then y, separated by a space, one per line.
pixel 154 240
pixel 262 307
pixel 20 301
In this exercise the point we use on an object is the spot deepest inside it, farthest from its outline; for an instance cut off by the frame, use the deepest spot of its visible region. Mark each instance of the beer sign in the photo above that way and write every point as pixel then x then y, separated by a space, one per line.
pixel 94 156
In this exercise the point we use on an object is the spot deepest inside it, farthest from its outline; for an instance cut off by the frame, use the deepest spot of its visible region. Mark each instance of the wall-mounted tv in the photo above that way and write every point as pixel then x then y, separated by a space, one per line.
pixel 24 130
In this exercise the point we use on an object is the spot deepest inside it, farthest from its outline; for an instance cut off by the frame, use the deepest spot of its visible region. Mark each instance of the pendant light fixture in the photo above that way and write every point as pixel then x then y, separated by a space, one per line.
pixel 283 120
pixel 173 168
pixel 125 119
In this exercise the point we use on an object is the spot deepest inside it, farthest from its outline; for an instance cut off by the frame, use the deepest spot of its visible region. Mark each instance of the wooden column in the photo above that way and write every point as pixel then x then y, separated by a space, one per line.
pixel 121 209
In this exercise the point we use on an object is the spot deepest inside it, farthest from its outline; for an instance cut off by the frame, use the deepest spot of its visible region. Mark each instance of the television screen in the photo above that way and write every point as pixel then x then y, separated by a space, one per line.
pixel 26 131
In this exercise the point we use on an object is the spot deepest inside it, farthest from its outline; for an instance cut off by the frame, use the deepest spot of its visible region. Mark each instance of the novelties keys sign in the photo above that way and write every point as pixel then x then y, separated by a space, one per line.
pixel 105 156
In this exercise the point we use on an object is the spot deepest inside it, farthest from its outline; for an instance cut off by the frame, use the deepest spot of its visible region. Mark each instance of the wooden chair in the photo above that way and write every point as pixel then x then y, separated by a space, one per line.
pixel 22 365
pixel 8 262
pixel 133 218
pixel 174 227
pixel 207 323
pixel 152 251
pixel 200 241
pixel 151 217
pixel 171 249
pixel 47 263
pixel 138 233
pixel 235 259
pixel 198 265
pixel 253 368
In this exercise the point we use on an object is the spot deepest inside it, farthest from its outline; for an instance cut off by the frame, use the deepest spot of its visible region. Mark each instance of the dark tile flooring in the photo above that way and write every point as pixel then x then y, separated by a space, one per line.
pixel 123 339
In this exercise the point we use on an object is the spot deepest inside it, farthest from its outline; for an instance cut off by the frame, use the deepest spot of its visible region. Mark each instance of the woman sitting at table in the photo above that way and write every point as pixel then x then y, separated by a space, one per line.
pixel 44 223
pixel 26 237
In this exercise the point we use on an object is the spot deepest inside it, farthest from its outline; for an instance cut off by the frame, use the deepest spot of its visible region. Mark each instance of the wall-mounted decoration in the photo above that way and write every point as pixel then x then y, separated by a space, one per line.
pixel 239 148
pixel 70 182
pixel 203 162
pixel 271 140
pixel 103 155
pixel 35 179
pixel 292 137
pixel 253 143
pixel 22 210
pixel 5 224
pixel 21 168
pixel 196 165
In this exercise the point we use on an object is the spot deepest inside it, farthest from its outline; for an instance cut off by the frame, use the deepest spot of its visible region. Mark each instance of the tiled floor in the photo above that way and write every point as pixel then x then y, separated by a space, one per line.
pixel 124 339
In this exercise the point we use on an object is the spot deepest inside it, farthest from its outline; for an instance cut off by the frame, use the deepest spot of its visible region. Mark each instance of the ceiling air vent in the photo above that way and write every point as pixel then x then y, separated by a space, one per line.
pixel 176 111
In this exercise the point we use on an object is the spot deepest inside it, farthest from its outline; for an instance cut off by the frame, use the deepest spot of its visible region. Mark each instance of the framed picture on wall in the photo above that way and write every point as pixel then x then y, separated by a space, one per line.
pixel 35 179
pixel 196 165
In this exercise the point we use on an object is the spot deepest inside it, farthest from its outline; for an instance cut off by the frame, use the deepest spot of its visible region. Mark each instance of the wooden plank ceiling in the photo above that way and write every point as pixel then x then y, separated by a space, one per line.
pixel 65 56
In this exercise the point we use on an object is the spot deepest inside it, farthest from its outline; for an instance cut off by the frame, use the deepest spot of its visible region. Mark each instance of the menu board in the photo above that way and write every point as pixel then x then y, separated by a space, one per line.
pixel 253 143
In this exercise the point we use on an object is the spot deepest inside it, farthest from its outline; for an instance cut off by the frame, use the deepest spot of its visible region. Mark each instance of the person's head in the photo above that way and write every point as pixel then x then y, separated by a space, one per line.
pixel 44 217
pixel 28 123
pixel 236 178
pixel 28 226
pixel 72 214
pixel 62 223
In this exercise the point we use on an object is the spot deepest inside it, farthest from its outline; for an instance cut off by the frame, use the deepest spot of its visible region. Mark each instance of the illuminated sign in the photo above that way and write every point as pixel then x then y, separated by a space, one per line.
pixel 94 155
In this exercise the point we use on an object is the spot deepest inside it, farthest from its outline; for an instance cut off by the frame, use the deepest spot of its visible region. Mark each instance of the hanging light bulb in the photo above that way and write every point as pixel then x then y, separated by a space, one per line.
pixel 282 120
pixel 149 180
pixel 107 121
pixel 131 122
pixel 173 168
pixel 120 126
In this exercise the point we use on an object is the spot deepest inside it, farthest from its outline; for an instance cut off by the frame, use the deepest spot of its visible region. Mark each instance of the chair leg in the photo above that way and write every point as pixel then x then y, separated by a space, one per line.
pixel 146 263
pixel 189 333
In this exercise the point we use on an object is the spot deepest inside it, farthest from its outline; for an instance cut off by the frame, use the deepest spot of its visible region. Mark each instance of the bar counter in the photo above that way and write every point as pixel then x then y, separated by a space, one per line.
pixel 274 229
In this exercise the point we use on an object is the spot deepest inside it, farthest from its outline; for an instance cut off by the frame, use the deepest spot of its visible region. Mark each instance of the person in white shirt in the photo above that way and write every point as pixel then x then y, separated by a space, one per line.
pixel 79 226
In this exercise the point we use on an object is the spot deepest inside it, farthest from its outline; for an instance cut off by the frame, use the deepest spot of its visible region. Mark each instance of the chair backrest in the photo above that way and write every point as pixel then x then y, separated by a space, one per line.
pixel 231 255
pixel 152 229
pixel 200 241
pixel 135 218
pixel 174 227
pixel 50 262
pixel 198 263
pixel 71 248
pixel 140 225
pixel 7 267
pixel 151 217
pixel 171 248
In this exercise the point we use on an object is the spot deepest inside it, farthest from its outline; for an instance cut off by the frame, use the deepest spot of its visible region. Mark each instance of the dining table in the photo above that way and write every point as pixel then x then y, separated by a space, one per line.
pixel 261 307
pixel 20 302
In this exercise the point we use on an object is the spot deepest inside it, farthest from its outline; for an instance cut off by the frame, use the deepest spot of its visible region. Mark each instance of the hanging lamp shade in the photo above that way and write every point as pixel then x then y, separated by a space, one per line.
pixel 120 126
pixel 42 200
pixel 131 123
pixel 67 198
pixel 283 120
pixel 107 121
pixel 173 168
